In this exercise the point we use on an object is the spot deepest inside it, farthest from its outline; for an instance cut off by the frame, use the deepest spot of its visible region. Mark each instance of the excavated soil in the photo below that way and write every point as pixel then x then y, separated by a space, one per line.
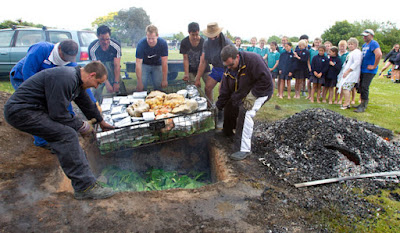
pixel 253 197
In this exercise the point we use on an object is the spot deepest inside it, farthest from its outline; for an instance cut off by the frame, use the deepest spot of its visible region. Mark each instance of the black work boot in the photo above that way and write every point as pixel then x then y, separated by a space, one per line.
pixel 95 191
pixel 359 104
pixel 361 107
pixel 365 104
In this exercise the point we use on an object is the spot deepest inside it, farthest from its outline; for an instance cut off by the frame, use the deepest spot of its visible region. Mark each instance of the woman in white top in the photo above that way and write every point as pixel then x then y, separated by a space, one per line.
pixel 350 73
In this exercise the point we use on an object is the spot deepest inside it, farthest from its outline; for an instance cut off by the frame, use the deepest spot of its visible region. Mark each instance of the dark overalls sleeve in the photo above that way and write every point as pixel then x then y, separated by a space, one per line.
pixel 58 93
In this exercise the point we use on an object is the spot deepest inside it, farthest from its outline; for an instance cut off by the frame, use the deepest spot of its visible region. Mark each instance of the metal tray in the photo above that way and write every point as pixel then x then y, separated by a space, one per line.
pixel 145 133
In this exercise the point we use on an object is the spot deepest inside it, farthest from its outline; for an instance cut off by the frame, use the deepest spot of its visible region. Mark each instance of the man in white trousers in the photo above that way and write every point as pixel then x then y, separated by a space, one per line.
pixel 246 86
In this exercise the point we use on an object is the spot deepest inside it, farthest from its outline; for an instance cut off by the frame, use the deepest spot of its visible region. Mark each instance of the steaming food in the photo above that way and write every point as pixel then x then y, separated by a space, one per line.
pixel 156 94
pixel 173 100
pixel 155 99
pixel 188 107
pixel 136 109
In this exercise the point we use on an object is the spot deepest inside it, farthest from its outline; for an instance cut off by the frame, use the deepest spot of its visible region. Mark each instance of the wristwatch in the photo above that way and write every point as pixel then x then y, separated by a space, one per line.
pixel 116 82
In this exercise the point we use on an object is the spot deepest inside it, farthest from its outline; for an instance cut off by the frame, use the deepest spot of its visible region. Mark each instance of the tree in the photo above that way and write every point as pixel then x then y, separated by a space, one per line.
pixel 178 37
pixel 386 34
pixel 228 34
pixel 277 39
pixel 339 31
pixel 18 22
pixel 107 20
pixel 130 25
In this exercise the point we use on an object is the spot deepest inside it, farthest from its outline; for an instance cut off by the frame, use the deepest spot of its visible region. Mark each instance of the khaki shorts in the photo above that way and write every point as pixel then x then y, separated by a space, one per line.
pixel 192 77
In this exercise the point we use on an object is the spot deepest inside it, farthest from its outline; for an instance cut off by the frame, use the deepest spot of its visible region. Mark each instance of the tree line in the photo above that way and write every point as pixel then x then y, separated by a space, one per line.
pixel 128 26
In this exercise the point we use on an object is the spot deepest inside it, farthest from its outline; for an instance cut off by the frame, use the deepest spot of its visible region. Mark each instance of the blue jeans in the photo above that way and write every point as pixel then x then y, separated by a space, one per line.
pixel 151 75
pixel 38 141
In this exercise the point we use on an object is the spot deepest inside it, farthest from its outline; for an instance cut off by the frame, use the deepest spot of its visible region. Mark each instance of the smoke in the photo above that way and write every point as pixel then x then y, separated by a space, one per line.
pixel 5 214
pixel 29 190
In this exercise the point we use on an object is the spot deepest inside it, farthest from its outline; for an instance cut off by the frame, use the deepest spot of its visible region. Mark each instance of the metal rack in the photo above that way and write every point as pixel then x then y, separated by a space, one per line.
pixel 144 133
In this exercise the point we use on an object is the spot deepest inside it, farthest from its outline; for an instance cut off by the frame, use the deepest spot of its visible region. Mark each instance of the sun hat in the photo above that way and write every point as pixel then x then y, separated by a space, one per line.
pixel 367 32
pixel 263 40
pixel 212 30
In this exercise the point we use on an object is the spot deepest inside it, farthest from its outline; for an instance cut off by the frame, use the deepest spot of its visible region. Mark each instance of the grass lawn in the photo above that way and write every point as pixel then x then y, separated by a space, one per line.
pixel 383 108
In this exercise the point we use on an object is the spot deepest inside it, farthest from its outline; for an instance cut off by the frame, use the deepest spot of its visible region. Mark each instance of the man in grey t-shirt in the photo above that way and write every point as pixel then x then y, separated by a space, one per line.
pixel 212 55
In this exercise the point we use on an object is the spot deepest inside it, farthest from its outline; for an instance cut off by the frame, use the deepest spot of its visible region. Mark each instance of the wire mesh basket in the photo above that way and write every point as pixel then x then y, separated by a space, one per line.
pixel 137 133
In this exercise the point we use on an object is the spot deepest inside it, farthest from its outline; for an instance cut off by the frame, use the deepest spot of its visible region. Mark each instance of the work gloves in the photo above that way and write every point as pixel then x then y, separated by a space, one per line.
pixel 87 128
pixel 248 101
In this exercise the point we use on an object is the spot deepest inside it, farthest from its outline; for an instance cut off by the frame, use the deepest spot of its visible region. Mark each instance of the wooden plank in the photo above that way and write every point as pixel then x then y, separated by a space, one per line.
pixel 333 180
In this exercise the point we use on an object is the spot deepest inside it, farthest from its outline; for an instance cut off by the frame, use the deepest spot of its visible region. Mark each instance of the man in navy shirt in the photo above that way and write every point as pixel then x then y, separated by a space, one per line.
pixel 371 56
pixel 152 61
pixel 108 51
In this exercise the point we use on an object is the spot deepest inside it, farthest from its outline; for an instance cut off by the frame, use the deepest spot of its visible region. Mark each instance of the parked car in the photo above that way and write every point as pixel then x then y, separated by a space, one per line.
pixel 15 42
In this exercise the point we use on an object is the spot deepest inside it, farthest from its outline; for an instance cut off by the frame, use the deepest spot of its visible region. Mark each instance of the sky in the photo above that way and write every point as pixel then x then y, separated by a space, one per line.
pixel 255 18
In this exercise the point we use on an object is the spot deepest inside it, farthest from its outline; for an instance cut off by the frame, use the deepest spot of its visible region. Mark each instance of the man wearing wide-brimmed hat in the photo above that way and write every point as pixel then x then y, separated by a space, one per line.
pixel 211 55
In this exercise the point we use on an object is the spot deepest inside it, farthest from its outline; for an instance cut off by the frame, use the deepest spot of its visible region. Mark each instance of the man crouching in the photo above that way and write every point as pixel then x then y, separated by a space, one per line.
pixel 247 84
pixel 39 107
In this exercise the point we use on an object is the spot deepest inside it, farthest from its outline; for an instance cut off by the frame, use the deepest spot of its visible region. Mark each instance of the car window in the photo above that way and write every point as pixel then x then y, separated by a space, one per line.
pixel 5 38
pixel 28 38
pixel 86 38
pixel 56 37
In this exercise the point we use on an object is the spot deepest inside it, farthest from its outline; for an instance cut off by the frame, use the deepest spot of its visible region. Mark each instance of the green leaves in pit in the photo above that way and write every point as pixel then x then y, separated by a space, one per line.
pixel 153 179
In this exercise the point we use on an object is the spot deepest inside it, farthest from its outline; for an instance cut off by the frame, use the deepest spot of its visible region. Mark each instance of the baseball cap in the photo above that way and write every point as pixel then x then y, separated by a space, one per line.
pixel 69 48
pixel 367 32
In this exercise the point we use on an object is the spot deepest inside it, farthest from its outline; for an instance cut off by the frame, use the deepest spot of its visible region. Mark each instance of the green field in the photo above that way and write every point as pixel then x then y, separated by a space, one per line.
pixel 383 108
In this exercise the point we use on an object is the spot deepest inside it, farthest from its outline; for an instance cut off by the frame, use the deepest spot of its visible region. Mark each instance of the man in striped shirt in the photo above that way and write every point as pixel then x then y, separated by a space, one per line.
pixel 108 51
